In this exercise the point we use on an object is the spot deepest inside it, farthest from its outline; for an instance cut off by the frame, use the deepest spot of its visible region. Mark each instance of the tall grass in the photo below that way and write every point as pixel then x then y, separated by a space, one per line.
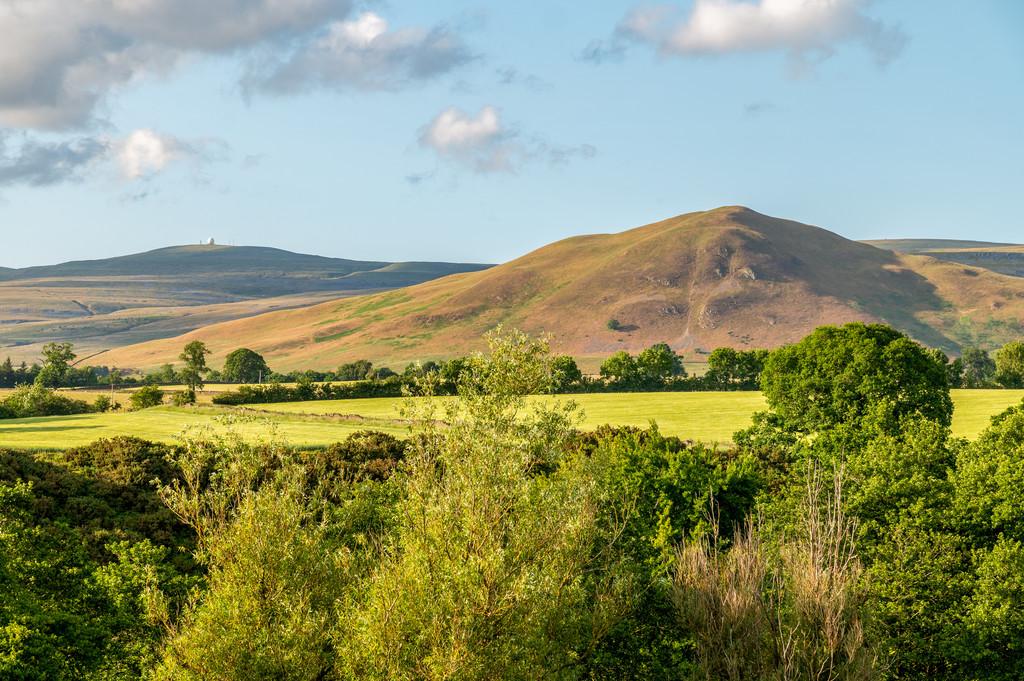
pixel 791 614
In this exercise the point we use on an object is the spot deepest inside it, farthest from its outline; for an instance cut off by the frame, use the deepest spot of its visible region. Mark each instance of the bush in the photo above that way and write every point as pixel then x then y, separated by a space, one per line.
pixel 105 403
pixel 37 400
pixel 146 397
pixel 184 398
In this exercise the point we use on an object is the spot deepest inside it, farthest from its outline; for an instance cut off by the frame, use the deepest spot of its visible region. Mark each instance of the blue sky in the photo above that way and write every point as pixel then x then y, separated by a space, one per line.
pixel 477 131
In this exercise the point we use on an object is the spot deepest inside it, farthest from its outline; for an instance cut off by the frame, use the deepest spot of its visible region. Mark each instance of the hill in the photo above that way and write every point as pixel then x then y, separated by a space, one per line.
pixel 103 304
pixel 1002 258
pixel 729 276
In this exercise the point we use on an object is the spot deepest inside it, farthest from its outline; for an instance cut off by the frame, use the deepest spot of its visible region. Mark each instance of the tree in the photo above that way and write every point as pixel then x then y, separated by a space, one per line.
pixel 865 376
pixel 355 371
pixel 145 397
pixel 614 325
pixel 565 374
pixel 978 368
pixel 498 536
pixel 1010 365
pixel 57 358
pixel 194 357
pixel 736 369
pixel 620 370
pixel 245 366
pixel 657 364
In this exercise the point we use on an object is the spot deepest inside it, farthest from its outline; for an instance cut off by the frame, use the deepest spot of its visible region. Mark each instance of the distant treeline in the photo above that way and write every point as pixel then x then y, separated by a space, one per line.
pixel 657 368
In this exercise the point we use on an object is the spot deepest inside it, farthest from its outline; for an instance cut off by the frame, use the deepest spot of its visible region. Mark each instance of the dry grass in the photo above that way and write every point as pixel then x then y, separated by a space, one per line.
pixel 794 616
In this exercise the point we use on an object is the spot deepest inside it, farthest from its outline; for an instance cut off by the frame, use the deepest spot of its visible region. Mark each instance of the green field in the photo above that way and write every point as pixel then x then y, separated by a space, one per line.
pixel 711 417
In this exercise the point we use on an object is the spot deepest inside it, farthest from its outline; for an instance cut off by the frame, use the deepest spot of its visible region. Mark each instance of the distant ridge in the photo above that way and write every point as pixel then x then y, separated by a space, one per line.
pixel 1003 258
pixel 724 277
pixel 927 245
pixel 105 303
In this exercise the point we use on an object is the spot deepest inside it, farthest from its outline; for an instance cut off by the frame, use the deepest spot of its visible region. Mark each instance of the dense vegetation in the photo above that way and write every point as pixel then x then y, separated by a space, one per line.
pixel 847 536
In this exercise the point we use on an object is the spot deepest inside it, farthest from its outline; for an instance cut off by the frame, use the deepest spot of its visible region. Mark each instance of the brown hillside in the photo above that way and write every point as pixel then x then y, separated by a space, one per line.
pixel 729 276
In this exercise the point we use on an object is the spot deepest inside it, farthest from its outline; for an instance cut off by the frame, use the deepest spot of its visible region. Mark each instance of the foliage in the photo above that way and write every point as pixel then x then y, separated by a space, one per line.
pixel 145 397
pixel 184 397
pixel 565 374
pixel 864 376
pixel 245 366
pixel 194 356
pixel 1010 365
pixel 85 546
pixel 730 369
pixel 36 400
pixel 978 369
pixel 354 371
pixel 57 358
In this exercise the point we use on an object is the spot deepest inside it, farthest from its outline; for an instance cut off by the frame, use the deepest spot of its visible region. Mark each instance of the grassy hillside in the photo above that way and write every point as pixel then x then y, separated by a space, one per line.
pixel 729 276
pixel 103 304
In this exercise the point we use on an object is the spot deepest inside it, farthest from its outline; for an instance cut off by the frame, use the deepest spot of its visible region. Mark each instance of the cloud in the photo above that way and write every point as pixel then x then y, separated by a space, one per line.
pixel 61 59
pixel 483 143
pixel 144 153
pixel 140 155
pixel 41 164
pixel 361 54
pixel 803 29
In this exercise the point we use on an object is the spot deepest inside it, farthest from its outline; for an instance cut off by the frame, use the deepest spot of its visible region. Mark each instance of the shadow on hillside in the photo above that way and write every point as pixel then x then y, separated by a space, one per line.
pixel 872 280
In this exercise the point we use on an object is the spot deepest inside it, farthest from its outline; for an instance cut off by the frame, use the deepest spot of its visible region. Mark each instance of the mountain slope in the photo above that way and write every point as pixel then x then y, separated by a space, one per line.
pixel 101 304
pixel 729 276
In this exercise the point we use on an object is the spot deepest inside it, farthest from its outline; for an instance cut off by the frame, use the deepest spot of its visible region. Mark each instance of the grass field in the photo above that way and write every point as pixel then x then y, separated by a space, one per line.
pixel 711 417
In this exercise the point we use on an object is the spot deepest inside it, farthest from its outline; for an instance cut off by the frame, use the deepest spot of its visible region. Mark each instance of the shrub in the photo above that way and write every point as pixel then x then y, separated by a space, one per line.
pixel 614 325
pixel 146 397
pixel 184 398
pixel 105 403
pixel 37 400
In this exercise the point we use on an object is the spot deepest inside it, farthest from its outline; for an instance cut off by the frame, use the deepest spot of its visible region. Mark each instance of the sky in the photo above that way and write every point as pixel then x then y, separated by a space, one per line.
pixel 476 130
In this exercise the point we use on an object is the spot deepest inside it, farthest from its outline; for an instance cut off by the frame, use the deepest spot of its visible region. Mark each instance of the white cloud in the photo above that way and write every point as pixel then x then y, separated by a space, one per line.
pixel 364 54
pixel 800 28
pixel 484 144
pixel 478 141
pixel 144 153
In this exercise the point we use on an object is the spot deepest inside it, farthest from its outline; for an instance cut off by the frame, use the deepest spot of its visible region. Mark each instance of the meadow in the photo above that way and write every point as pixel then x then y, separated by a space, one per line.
pixel 705 416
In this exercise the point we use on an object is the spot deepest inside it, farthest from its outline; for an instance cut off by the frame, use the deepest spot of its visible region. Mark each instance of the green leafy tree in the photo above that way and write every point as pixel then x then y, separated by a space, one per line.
pixel 620 370
pixel 867 377
pixel 194 356
pixel 736 369
pixel 145 397
pixel 979 370
pixel 1010 365
pixel 355 371
pixel 565 374
pixel 500 544
pixel 657 364
pixel 57 358
pixel 245 366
